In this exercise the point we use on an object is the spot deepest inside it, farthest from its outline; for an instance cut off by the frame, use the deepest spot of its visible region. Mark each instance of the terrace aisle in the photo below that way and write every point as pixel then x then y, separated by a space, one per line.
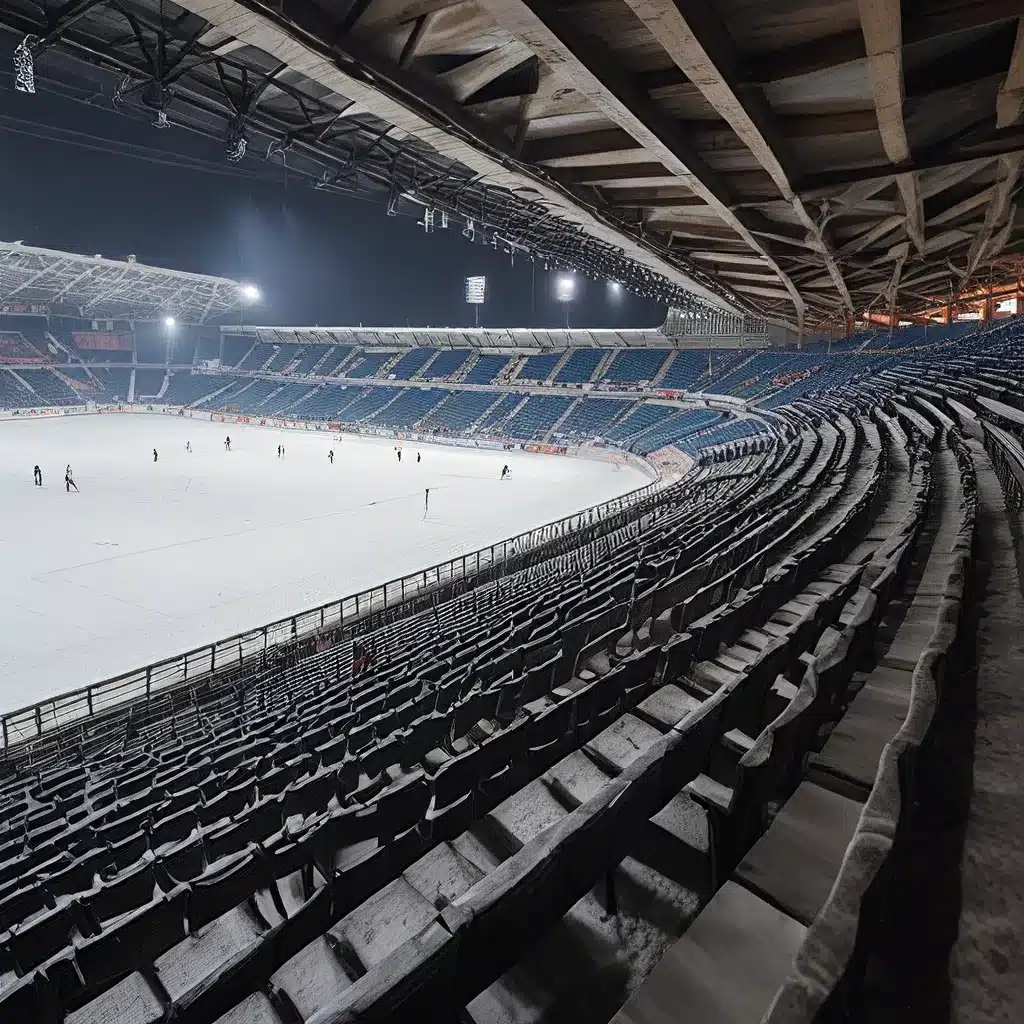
pixel 988 986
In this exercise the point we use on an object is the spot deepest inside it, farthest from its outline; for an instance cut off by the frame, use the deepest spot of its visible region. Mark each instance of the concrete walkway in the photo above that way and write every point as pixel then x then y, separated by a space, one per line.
pixel 987 980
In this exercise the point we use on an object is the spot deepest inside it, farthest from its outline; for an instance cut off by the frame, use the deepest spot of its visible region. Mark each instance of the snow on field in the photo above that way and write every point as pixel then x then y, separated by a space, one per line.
pixel 152 559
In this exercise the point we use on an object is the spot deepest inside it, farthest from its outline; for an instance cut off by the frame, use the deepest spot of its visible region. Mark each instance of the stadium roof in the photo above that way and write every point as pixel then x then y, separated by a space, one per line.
pixel 93 286
pixel 526 338
pixel 800 161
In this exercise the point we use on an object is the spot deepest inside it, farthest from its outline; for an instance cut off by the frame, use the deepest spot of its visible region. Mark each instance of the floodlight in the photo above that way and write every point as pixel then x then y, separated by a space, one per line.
pixel 250 292
pixel 565 288
pixel 169 321
pixel 476 292
pixel 614 289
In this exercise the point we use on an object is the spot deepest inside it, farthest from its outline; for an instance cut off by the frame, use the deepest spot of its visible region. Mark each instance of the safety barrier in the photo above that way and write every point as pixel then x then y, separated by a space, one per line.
pixel 30 723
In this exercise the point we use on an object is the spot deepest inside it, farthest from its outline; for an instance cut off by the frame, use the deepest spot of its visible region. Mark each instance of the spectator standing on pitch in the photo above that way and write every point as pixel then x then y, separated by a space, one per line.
pixel 37 476
pixel 69 480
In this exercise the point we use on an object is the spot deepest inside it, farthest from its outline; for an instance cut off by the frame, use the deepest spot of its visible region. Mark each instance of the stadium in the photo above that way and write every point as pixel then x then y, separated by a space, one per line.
pixel 523 674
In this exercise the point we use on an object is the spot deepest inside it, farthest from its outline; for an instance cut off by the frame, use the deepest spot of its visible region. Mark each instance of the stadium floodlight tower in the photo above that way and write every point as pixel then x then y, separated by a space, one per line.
pixel 169 324
pixel 565 291
pixel 246 293
pixel 476 292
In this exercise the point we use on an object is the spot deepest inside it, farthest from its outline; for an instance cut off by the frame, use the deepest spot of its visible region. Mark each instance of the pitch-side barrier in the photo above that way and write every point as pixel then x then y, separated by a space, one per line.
pixel 35 722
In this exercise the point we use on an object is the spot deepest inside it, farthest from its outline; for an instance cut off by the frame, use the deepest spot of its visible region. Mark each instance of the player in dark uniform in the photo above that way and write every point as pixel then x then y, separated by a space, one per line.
pixel 156 457
pixel 504 472
pixel 37 476
pixel 330 455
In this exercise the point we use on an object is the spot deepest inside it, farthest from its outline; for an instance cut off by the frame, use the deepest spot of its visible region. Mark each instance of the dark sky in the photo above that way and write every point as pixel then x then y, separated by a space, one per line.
pixel 317 258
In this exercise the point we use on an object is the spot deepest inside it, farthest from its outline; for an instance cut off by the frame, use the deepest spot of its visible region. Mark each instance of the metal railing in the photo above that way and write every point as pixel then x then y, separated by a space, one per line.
pixel 30 723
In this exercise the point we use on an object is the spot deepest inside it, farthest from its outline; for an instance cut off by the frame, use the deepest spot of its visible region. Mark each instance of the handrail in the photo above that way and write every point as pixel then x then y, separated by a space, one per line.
pixel 34 721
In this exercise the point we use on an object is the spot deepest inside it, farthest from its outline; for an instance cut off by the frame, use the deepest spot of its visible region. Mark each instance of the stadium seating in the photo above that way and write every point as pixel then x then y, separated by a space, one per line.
pixel 459 411
pixel 640 419
pixel 580 366
pixel 115 383
pixel 13 393
pixel 635 365
pixel 536 416
pixel 148 383
pixel 446 364
pixel 414 360
pixel 707 755
pixel 321 403
pixel 15 348
pixel 309 356
pixel 368 364
pixel 334 358
pixel 486 369
pixel 539 368
pixel 282 358
pixel 591 417
pixel 411 406
pixel 254 357
pixel 49 389
pixel 234 349
pixel 289 396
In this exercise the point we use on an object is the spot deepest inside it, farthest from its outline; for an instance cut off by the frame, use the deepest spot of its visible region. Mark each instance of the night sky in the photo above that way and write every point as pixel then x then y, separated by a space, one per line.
pixel 317 258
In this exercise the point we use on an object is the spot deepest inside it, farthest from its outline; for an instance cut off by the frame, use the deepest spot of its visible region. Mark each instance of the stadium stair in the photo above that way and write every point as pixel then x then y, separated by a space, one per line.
pixel 315 371
pixel 553 429
pixel 248 352
pixel 214 394
pixel 557 368
pixel 661 374
pixel 602 367
pixel 25 384
pixel 466 368
pixel 421 373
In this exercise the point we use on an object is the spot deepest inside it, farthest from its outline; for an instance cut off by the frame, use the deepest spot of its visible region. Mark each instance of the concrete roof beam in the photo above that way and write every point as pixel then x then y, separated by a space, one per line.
pixel 881 23
pixel 699 44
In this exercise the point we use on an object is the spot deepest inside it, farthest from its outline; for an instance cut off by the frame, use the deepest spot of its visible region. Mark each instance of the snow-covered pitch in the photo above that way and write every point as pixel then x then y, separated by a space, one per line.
pixel 155 558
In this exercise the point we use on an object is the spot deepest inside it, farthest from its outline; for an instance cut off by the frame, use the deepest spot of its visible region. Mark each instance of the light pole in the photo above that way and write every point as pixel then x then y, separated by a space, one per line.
pixel 246 292
pixel 565 290
pixel 476 291
pixel 169 324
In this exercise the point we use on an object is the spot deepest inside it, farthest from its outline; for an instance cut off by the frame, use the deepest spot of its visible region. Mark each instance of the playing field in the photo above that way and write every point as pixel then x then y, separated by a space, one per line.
pixel 152 559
